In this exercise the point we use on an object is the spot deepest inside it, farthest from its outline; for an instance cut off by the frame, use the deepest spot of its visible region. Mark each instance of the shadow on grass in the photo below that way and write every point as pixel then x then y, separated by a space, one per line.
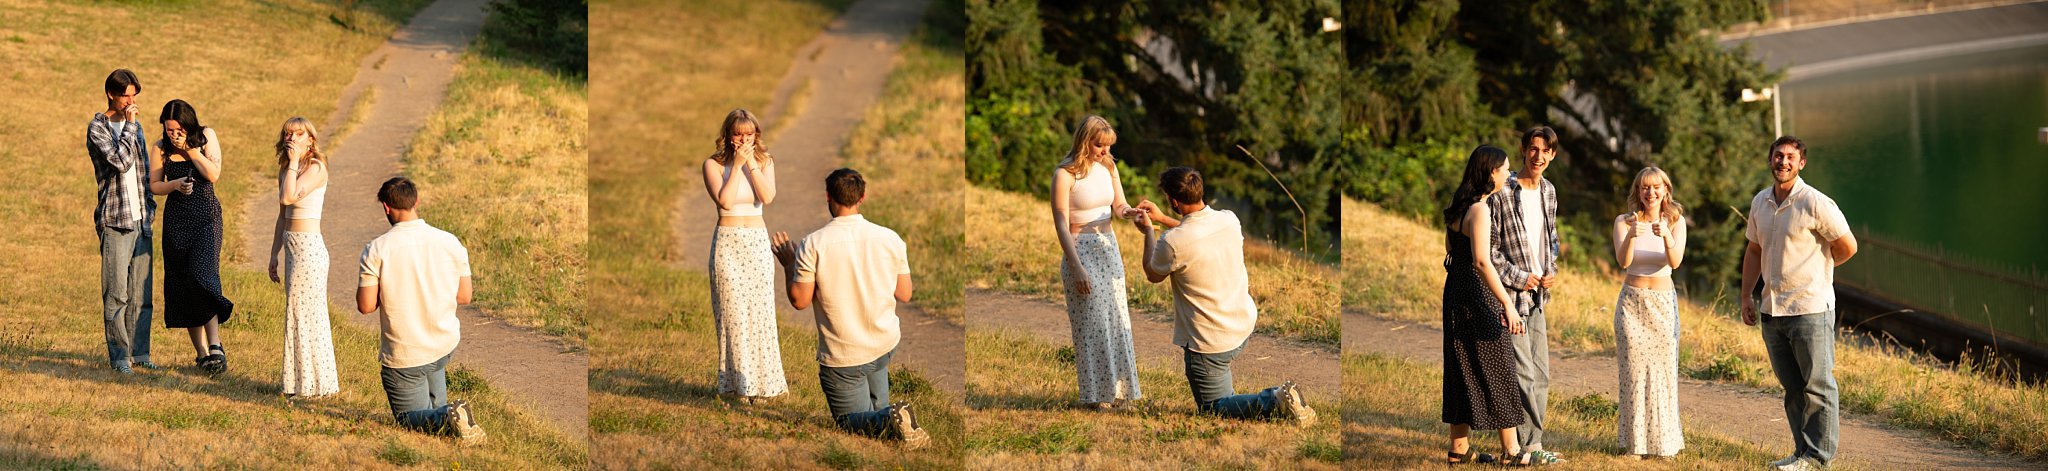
pixel 635 383
pixel 17 456
pixel 61 365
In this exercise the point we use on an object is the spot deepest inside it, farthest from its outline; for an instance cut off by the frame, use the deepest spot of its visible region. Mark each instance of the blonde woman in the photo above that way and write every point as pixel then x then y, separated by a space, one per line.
pixel 1086 195
pixel 1650 241
pixel 740 176
pixel 302 188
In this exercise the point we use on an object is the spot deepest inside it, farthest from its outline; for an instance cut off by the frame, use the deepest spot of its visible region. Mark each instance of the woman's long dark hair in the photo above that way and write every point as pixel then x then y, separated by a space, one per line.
pixel 188 118
pixel 1478 181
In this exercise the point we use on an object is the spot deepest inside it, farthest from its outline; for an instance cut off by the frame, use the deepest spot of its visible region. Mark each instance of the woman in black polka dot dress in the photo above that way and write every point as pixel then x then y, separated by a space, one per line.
pixel 186 169
pixel 1480 391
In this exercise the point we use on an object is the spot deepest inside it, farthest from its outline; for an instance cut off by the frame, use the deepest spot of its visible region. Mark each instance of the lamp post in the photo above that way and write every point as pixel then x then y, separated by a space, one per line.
pixel 1769 93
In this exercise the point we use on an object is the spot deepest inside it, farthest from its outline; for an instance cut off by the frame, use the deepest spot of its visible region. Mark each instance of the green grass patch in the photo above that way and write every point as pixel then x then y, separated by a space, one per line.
pixel 400 455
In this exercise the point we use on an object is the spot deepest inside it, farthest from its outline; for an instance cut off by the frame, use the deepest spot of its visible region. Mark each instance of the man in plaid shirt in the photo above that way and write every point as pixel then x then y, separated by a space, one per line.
pixel 1525 253
pixel 120 163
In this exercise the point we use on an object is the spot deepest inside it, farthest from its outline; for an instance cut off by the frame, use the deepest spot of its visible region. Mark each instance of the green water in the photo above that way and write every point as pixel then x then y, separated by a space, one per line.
pixel 1939 157
pixel 1936 154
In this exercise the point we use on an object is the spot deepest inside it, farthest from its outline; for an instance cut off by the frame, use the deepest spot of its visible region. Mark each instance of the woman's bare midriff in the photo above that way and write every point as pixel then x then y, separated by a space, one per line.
pixel 1658 283
pixel 1091 227
pixel 302 225
pixel 741 221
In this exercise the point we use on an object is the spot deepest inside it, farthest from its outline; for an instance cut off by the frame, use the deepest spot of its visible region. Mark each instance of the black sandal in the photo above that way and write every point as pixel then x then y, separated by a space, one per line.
pixel 1467 458
pixel 217 362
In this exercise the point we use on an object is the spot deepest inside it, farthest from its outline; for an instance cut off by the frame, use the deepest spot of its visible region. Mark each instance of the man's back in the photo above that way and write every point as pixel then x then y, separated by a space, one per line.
pixel 418 271
pixel 1213 306
pixel 855 264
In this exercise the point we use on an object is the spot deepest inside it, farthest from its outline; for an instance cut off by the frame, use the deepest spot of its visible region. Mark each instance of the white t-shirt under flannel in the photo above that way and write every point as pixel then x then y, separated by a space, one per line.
pixel 1798 269
pixel 1533 242
pixel 854 264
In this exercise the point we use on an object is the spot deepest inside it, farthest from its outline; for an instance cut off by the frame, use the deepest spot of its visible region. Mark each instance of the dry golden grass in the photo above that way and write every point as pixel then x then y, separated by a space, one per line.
pixel 653 400
pixel 1804 12
pixel 502 164
pixel 1393 422
pixel 653 348
pixel 912 147
pixel 59 389
pixel 67 403
pixel 1394 269
pixel 1010 247
pixel 1022 392
pixel 669 72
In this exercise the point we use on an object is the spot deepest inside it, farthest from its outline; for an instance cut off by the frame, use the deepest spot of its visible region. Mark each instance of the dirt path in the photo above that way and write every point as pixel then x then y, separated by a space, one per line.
pixel 1740 413
pixel 1266 362
pixel 840 74
pixel 410 74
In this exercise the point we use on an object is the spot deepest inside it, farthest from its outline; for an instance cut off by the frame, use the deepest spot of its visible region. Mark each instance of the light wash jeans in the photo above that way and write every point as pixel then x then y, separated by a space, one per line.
pixel 1209 378
pixel 125 280
pixel 1802 351
pixel 419 395
pixel 858 395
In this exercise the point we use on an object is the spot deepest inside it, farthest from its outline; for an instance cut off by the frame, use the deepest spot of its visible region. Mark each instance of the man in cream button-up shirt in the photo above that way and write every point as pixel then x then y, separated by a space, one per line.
pixel 1796 237
pixel 1213 310
pixel 417 275
pixel 855 272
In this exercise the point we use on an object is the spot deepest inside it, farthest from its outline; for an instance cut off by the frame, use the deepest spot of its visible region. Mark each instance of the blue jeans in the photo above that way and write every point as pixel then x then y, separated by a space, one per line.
pixel 858 395
pixel 419 395
pixel 1802 350
pixel 1209 378
pixel 125 280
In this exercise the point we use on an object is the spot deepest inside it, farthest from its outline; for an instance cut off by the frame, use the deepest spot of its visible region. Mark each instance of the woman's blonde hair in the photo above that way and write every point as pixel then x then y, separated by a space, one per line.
pixel 1670 209
pixel 725 152
pixel 284 141
pixel 1092 128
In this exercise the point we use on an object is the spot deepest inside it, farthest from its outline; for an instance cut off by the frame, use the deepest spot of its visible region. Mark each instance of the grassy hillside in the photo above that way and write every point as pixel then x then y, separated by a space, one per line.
pixel 60 391
pixel 1393 268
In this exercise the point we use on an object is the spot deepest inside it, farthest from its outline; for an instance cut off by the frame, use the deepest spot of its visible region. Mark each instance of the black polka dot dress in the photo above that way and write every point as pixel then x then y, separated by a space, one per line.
pixel 1479 358
pixel 191 241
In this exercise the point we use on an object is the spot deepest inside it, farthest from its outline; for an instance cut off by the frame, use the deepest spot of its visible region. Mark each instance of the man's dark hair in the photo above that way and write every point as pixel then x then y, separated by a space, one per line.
pixel 119 81
pixel 1549 136
pixel 1783 140
pixel 845 187
pixel 399 193
pixel 1181 184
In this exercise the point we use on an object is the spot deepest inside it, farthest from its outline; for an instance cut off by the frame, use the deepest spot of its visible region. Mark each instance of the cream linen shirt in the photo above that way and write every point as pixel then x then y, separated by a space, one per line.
pixel 417 270
pixel 854 264
pixel 1213 310
pixel 1798 270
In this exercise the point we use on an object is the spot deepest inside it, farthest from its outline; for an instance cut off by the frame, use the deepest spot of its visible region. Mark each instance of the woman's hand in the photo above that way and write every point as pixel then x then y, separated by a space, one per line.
pixel 1081 284
pixel 747 159
pixel 1512 320
pixel 273 269
pixel 1657 228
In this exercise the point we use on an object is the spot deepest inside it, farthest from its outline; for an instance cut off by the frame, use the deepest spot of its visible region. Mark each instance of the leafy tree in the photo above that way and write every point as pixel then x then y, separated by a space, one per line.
pixel 1626 84
pixel 1186 83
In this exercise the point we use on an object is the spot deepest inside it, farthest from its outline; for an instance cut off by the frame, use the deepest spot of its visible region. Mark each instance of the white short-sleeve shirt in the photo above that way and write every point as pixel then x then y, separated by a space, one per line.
pixel 854 264
pixel 417 270
pixel 1798 269
pixel 1213 309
